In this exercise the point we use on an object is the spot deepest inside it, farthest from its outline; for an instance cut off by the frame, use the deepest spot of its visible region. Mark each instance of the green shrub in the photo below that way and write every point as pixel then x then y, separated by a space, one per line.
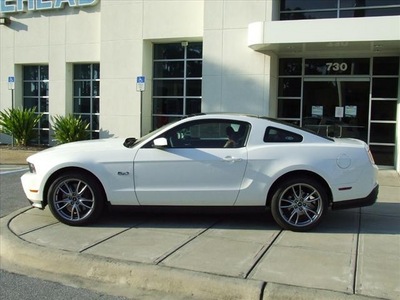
pixel 69 129
pixel 20 124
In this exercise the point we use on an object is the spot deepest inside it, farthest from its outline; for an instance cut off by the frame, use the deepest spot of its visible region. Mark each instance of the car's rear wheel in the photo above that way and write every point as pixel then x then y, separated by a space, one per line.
pixel 76 198
pixel 298 204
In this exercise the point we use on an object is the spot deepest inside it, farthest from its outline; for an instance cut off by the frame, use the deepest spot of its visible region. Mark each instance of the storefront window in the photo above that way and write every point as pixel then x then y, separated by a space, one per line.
pixel 317 9
pixel 36 95
pixel 177 80
pixel 343 97
pixel 86 102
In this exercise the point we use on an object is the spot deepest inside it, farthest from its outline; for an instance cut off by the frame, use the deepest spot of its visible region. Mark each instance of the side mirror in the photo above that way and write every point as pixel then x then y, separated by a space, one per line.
pixel 160 142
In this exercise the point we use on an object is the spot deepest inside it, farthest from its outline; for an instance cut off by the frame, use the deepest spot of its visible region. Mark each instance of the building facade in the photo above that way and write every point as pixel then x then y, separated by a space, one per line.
pixel 130 66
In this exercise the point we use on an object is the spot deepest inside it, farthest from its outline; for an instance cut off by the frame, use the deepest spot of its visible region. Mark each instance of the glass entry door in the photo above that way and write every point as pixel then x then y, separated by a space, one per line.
pixel 336 107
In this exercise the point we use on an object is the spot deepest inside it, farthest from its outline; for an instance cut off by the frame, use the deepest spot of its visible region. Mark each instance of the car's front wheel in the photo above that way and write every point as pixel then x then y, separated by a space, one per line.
pixel 76 198
pixel 298 204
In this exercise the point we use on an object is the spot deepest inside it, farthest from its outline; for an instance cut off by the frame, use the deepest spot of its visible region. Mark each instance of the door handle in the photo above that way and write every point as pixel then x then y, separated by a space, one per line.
pixel 232 159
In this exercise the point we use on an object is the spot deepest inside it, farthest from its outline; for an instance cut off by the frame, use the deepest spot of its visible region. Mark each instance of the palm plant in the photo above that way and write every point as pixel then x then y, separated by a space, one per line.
pixel 69 129
pixel 20 124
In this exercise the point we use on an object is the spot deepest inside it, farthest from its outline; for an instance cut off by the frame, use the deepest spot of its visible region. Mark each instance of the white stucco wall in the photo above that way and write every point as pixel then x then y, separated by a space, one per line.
pixel 116 34
pixel 235 78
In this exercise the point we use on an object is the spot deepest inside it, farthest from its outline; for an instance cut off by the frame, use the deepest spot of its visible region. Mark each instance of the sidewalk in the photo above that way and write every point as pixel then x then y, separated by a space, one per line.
pixel 353 254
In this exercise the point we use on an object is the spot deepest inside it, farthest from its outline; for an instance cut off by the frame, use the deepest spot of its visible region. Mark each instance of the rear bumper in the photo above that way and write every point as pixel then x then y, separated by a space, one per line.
pixel 367 201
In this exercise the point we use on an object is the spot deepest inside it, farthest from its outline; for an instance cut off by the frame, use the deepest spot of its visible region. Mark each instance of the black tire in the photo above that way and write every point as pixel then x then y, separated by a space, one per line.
pixel 299 204
pixel 76 198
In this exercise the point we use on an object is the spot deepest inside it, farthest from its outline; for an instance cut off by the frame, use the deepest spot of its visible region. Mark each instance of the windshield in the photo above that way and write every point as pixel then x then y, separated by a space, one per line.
pixel 131 142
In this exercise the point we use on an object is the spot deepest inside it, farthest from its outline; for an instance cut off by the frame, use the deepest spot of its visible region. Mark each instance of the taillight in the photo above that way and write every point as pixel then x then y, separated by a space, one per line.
pixel 371 158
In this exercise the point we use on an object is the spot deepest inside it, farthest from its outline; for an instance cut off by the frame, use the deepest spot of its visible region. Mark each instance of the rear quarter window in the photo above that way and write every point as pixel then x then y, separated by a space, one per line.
pixel 277 135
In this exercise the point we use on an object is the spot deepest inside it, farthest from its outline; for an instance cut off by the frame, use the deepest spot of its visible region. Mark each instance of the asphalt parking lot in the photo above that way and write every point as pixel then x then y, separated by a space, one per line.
pixel 353 253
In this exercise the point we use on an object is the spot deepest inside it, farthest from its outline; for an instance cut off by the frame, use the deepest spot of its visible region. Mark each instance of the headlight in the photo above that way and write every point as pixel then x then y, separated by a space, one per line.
pixel 31 167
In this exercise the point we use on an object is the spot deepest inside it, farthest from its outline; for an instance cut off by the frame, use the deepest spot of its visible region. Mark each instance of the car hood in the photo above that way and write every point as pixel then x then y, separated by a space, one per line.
pixel 82 148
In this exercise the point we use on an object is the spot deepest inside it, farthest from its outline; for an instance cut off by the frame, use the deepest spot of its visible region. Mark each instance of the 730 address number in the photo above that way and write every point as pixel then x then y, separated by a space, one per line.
pixel 335 66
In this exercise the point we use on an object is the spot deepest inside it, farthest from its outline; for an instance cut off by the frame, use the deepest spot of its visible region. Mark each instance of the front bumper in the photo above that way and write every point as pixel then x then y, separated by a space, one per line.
pixel 367 201
pixel 32 190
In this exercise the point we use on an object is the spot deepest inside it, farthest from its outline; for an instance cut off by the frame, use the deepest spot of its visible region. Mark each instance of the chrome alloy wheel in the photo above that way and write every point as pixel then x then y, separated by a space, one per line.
pixel 73 199
pixel 300 205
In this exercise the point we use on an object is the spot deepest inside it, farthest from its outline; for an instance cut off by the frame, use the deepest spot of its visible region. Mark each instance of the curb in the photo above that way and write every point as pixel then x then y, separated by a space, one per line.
pixel 138 280
pixel 124 277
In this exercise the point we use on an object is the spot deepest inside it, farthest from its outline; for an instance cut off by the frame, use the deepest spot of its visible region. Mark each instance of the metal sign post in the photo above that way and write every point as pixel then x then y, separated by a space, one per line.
pixel 11 87
pixel 140 87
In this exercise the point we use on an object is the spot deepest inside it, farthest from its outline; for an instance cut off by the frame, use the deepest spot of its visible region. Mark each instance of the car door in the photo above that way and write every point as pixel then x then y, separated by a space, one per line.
pixel 194 168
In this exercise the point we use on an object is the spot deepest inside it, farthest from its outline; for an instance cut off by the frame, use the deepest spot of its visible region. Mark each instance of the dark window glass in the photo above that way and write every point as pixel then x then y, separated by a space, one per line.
pixel 289 108
pixel 35 94
pixel 309 15
pixel 44 104
pixel 167 87
pixel 193 106
pixel 168 51
pixel 386 66
pixel 82 88
pixel 193 88
pixel 82 71
pixel 82 105
pixel 96 105
pixel 86 95
pixel 44 89
pixel 44 136
pixel 277 135
pixel 95 71
pixel 383 155
pixel 31 103
pixel 168 69
pixel 322 9
pixel 95 122
pixel 384 110
pixel 289 87
pixel 392 11
pixel 308 4
pixel 177 74
pixel 159 121
pixel 290 66
pixel 195 50
pixel 167 106
pixel 31 89
pixel 384 87
pixel 382 133
pixel 31 72
pixel 194 68
pixel 44 122
pixel 44 72
pixel 363 3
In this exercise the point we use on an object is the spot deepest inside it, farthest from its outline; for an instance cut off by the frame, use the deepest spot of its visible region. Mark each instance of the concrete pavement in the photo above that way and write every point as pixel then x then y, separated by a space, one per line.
pixel 353 254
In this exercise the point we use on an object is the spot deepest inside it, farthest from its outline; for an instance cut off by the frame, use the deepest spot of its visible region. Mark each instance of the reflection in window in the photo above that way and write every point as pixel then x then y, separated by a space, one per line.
pixel 177 79
pixel 87 96
pixel 36 95
pixel 208 134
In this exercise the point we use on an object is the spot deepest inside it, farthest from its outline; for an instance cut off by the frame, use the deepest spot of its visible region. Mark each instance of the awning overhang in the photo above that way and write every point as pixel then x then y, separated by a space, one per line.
pixel 333 37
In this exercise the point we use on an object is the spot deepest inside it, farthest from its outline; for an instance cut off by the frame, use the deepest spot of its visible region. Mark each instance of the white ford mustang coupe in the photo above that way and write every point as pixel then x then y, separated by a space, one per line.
pixel 213 160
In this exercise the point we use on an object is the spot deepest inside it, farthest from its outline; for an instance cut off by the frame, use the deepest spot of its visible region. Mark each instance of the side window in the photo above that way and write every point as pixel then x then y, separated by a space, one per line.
pixel 208 134
pixel 277 135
